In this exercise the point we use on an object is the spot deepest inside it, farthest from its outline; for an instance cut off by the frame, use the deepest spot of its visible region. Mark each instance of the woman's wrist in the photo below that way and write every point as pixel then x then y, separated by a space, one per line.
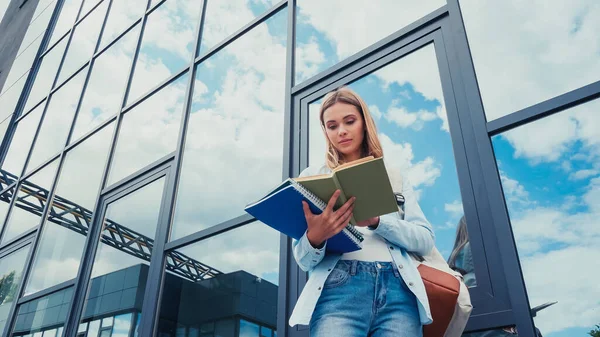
pixel 375 224
pixel 316 244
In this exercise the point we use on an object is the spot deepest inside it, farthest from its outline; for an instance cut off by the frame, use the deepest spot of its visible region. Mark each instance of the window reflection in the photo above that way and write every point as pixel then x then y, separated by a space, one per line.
pixel 149 131
pixel 223 18
pixel 406 101
pixel 64 232
pixel 123 14
pixel 325 35
pixel 103 96
pixel 87 6
pixel 83 42
pixel 238 266
pixel 21 143
pixel 11 268
pixel 552 189
pixel 5 199
pixel 57 121
pixel 68 14
pixel 119 274
pixel 556 50
pixel 160 54
pixel 32 196
pixel 235 129
pixel 10 98
pixel 44 78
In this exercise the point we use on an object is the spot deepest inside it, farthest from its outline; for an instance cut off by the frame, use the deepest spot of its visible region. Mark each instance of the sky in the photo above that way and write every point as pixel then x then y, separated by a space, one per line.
pixel 235 131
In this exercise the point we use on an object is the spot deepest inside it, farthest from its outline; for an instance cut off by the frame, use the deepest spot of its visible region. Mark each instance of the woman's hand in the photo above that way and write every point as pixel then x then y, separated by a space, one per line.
pixel 369 222
pixel 327 224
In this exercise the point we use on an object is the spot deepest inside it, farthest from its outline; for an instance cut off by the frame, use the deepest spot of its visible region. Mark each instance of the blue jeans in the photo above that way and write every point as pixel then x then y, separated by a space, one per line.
pixel 362 299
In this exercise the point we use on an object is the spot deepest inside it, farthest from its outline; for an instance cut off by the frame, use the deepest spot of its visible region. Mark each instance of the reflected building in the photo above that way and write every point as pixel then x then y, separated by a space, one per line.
pixel 134 132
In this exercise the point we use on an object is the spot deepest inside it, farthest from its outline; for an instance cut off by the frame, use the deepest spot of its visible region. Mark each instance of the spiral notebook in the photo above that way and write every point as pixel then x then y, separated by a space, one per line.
pixel 282 210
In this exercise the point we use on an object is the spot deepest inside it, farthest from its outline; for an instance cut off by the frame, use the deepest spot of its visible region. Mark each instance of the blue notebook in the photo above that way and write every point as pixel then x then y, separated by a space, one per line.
pixel 282 210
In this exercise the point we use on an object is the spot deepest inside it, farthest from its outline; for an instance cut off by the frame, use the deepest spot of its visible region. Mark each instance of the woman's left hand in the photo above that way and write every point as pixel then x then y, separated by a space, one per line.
pixel 369 222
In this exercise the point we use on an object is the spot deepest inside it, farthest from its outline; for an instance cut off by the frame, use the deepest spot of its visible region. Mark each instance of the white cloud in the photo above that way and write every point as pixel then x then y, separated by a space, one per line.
pixel 309 59
pixel 403 118
pixel 583 174
pixel 556 50
pixel 551 237
pixel 375 112
pixel 455 209
pixel 368 23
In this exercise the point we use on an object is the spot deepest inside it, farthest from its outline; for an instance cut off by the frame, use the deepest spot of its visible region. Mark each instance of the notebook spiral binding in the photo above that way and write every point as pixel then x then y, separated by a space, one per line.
pixel 349 231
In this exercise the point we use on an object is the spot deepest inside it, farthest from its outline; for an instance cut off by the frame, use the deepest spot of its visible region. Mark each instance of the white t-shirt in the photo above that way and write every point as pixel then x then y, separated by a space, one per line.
pixel 374 248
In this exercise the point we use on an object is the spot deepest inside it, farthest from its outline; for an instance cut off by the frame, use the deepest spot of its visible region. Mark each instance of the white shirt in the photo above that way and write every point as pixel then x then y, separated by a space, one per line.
pixel 374 248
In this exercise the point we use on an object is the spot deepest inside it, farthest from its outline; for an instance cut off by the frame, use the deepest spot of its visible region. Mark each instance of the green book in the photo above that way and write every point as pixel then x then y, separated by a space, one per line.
pixel 366 179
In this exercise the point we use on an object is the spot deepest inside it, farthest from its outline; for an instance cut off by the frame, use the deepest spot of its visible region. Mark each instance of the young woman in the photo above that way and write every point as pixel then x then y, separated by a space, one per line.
pixel 376 291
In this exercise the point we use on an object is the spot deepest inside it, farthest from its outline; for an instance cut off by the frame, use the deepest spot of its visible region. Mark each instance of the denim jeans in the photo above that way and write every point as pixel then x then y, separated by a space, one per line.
pixel 362 299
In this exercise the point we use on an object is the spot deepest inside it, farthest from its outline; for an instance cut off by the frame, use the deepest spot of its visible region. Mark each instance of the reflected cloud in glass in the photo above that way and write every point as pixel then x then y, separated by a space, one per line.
pixel 83 42
pixel 68 14
pixel 235 130
pixel 328 33
pixel 21 142
pixel 105 90
pixel 44 78
pixel 225 17
pixel 123 13
pixel 556 50
pixel 161 55
pixel 149 131
pixel 64 233
pixel 57 121
pixel 552 190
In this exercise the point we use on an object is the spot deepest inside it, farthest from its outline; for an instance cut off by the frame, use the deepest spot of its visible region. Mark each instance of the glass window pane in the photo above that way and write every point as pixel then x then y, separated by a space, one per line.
pixel 106 322
pixel 5 200
pixel 21 142
pixel 10 97
pixel 57 121
pixel 248 329
pixel 326 36
pixel 122 326
pixel 21 65
pixel 41 17
pixel 50 333
pixel 11 268
pixel 223 18
pixel 31 199
pixel 67 17
pixel 93 329
pixel 64 233
pixel 87 6
pixel 241 265
pixel 4 127
pixel 83 42
pixel 235 129
pixel 161 55
pixel 45 76
pixel 149 131
pixel 82 327
pixel 552 190
pixel 406 102
pixel 103 96
pixel 122 15
pixel 556 50
pixel 119 274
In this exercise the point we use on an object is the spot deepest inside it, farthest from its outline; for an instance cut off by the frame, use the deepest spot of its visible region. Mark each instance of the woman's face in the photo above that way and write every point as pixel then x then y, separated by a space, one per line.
pixel 345 129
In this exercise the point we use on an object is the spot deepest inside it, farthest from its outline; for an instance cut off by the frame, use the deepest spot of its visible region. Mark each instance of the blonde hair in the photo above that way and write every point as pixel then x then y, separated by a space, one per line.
pixel 370 146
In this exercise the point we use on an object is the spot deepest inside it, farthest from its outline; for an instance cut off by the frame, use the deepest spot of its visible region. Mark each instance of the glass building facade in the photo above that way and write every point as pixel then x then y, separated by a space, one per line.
pixel 134 132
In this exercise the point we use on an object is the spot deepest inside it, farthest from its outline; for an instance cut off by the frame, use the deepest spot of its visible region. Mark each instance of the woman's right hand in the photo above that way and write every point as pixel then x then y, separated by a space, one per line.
pixel 323 226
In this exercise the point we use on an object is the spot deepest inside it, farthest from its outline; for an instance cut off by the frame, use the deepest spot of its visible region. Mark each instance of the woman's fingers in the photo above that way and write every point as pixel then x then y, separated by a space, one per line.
pixel 332 201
